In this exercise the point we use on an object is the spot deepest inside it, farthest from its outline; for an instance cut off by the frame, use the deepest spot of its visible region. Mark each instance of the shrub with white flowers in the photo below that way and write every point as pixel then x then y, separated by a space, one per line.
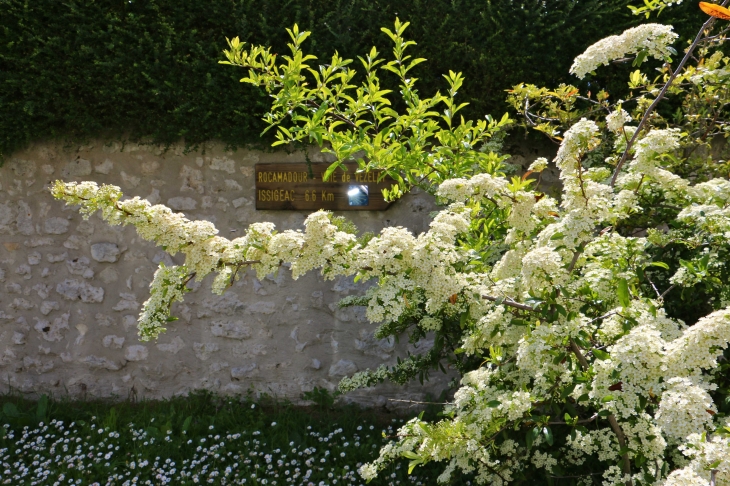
pixel 591 328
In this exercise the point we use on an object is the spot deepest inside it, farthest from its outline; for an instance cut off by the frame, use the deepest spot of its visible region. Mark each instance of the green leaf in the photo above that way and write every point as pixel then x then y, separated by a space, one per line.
pixel 660 265
pixel 42 408
pixel 548 435
pixel 607 398
pixel 187 422
pixel 11 410
pixel 623 293
pixel 599 354
pixel 494 403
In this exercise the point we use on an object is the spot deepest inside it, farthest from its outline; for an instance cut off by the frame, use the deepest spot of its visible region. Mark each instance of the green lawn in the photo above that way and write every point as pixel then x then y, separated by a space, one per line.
pixel 201 439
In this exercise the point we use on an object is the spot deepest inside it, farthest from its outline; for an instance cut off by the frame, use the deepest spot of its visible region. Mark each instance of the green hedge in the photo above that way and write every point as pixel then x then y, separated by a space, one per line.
pixel 147 69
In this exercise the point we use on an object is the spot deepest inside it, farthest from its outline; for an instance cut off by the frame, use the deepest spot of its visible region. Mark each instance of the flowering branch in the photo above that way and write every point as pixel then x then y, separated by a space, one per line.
pixel 708 24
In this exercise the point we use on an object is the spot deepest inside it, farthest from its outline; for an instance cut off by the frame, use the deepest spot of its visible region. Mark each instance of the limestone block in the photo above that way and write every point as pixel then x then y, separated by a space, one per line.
pixel 24 219
pixel 343 368
pixel 22 168
pixel 369 344
pixel 112 341
pixel 86 228
pixel 55 226
pixel 223 164
pixel 262 307
pixel 80 266
pixel 128 302
pixel 231 330
pixel 13 288
pixel 182 203
pixel 74 242
pixel 129 179
pixel 51 258
pixel 21 304
pixel 18 338
pixel 98 362
pixel 203 351
pixel 136 352
pixel 192 180
pixel 23 270
pixel 109 275
pixel 248 370
pixel 105 252
pixel 77 168
pixel 105 167
pixel 150 167
pixel 7 216
pixel 80 290
pixel 104 320
pixel 52 331
pixel 47 306
pixel 34 258
pixel 172 347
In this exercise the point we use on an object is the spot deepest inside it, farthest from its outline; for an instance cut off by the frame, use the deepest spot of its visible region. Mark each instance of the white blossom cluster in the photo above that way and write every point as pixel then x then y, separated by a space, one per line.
pixel 647 377
pixel 654 39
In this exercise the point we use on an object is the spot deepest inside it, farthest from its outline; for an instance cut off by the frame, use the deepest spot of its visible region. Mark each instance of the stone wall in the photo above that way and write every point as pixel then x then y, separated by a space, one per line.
pixel 71 289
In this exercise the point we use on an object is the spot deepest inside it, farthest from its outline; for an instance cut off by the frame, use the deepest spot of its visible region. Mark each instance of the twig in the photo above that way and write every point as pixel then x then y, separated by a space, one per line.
pixel 626 467
pixel 416 402
pixel 582 421
pixel 648 112
pixel 509 302
pixel 667 291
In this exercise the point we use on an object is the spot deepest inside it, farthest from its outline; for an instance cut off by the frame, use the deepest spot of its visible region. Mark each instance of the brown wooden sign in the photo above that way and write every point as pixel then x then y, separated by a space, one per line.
pixel 295 187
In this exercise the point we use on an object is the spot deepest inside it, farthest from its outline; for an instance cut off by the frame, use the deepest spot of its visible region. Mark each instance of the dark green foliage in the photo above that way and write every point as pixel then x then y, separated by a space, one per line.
pixel 148 69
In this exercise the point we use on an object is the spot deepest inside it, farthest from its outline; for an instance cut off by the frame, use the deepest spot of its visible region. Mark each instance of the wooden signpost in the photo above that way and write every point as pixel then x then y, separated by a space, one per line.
pixel 295 187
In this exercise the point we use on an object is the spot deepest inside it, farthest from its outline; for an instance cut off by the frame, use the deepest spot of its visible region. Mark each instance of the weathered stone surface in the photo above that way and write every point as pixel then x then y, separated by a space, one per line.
pixel 7 216
pixel 227 304
pixel 182 203
pixel 231 330
pixel 112 341
pixel 192 180
pixel 76 168
pixel 47 306
pixel 103 320
pixel 105 252
pixel 136 352
pixel 18 338
pixel 13 288
pixel 173 346
pixel 80 266
pixel 22 167
pixel 248 370
pixel 129 179
pixel 53 331
pixel 343 368
pixel 262 308
pixel 109 275
pixel 24 219
pixel 271 340
pixel 203 351
pixel 128 302
pixel 80 290
pixel 34 258
pixel 368 344
pixel 56 226
pixel 55 258
pixel 105 167
pixel 224 164
pixel 97 362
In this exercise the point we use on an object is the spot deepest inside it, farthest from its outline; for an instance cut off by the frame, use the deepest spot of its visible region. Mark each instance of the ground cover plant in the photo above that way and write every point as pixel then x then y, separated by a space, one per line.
pixel 590 326
pixel 201 439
